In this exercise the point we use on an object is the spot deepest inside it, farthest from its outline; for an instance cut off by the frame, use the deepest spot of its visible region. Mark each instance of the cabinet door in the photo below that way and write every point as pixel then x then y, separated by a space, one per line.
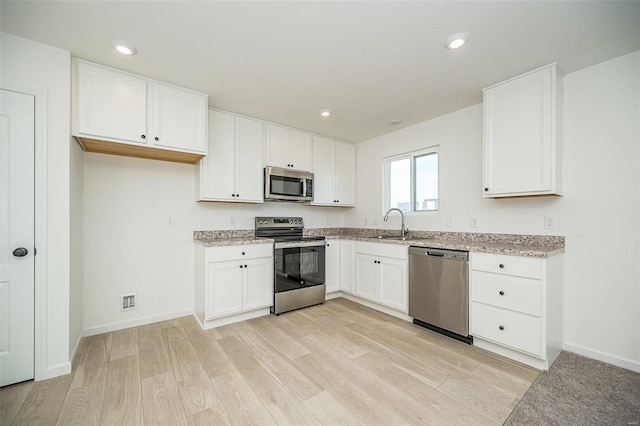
pixel 217 170
pixel 324 158
pixel 366 276
pixel 110 104
pixel 346 266
pixel 393 283
pixel 178 118
pixel 301 151
pixel 258 283
pixel 223 289
pixel 249 160
pixel 277 150
pixel 519 136
pixel 332 265
pixel 345 174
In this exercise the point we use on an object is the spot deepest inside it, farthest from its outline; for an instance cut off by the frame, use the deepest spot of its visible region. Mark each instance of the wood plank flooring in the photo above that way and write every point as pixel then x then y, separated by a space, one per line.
pixel 335 364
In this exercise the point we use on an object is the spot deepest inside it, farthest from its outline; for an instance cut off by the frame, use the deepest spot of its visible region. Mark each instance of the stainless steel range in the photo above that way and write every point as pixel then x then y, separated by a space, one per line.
pixel 299 263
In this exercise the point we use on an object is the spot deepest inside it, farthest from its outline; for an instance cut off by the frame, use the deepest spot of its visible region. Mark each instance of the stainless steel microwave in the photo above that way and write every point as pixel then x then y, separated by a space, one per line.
pixel 287 185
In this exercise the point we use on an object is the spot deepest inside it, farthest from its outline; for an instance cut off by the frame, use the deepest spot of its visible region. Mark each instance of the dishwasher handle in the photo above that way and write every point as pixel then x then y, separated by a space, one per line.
pixel 458 255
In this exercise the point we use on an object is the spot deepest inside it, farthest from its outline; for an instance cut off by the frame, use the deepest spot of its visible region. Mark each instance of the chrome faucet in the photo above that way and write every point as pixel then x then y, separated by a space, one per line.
pixel 386 218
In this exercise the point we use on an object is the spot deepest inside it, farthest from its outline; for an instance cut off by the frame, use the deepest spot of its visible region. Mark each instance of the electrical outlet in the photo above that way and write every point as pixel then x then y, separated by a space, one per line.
pixel 171 222
pixel 232 220
pixel 375 221
pixel 449 222
pixel 549 222
pixel 128 302
pixel 474 222
pixel 366 221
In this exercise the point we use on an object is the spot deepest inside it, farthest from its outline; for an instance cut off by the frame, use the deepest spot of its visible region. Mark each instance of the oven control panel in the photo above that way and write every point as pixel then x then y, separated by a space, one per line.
pixel 279 222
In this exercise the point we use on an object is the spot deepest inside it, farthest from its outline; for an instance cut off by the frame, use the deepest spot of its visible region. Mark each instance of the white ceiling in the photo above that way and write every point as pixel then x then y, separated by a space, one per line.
pixel 368 62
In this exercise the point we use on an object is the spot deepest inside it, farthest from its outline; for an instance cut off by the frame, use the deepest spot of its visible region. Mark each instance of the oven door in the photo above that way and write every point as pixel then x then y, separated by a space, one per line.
pixel 298 267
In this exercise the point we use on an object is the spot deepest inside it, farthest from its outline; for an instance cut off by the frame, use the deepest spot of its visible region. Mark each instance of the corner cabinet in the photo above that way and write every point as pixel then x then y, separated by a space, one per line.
pixel 381 274
pixel 233 172
pixel 516 306
pixel 118 113
pixel 288 148
pixel 334 165
pixel 232 283
pixel 523 135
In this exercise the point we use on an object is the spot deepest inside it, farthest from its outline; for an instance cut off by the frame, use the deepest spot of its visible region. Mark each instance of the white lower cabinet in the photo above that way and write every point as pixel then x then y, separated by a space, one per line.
pixel 233 283
pixel 516 306
pixel 381 274
pixel 332 266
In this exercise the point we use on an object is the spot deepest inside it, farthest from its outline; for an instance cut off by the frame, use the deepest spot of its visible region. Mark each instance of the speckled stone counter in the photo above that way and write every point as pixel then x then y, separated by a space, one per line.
pixel 510 244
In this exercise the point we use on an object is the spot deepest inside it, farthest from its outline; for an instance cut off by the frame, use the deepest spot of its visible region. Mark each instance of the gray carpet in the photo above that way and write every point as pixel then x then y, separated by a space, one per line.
pixel 580 391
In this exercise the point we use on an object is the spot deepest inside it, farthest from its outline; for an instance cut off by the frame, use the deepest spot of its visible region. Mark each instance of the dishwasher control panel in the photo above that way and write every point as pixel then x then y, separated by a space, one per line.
pixel 434 252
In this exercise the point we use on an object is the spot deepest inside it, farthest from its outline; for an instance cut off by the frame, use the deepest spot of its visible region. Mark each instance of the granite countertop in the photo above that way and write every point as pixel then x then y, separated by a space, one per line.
pixel 540 246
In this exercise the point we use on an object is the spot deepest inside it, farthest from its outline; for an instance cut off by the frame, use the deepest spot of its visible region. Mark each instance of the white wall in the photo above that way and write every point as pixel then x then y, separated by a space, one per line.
pixel 76 288
pixel 44 71
pixel 599 213
pixel 128 246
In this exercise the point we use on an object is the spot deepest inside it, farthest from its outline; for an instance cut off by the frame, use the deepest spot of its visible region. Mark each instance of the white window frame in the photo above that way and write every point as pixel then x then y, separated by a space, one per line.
pixel 386 175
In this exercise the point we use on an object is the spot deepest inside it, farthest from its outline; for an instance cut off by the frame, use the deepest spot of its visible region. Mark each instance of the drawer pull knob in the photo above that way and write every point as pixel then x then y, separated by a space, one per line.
pixel 501 266
pixel 240 266
pixel 243 253
pixel 501 327
pixel 501 293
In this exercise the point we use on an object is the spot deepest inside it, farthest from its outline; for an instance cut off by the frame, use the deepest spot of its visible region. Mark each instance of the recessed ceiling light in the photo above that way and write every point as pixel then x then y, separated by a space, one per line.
pixel 124 47
pixel 456 41
pixel 325 113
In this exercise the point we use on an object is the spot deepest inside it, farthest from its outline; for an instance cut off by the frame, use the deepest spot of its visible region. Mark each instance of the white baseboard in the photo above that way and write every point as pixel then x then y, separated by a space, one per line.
pixel 136 322
pixel 373 305
pixel 629 364
pixel 58 370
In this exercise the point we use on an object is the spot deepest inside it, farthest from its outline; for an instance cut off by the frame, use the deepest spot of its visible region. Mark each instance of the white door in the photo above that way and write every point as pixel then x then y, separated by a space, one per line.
pixel 16 237
pixel 366 276
pixel 332 265
pixel 277 146
pixel 248 160
pixel 324 170
pixel 224 289
pixel 345 174
pixel 217 170
pixel 258 283
pixel 393 283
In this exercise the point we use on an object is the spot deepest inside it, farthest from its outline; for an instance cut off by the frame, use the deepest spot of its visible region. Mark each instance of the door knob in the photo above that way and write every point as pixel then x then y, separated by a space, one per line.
pixel 20 252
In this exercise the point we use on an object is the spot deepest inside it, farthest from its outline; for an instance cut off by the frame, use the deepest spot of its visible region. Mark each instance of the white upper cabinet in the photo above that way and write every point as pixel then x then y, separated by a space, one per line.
pixel 334 172
pixel 233 169
pixel 288 148
pixel 178 118
pixel 522 135
pixel 115 112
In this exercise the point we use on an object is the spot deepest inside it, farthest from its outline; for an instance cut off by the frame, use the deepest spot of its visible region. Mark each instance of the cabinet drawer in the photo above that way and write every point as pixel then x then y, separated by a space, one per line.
pixel 507 265
pixel 514 293
pixel 382 249
pixel 519 331
pixel 240 252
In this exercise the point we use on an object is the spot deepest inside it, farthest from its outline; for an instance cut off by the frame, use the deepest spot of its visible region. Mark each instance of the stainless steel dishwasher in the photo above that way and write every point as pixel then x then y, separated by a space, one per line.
pixel 439 291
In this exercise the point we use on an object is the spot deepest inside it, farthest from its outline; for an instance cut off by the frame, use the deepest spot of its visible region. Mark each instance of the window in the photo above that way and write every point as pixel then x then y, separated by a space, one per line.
pixel 411 181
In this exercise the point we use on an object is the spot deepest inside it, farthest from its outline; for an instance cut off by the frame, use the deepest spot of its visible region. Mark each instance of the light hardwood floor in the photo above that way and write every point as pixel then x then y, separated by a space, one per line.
pixel 337 363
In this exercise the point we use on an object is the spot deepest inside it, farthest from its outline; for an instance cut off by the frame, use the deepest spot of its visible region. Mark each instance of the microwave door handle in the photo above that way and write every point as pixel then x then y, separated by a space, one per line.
pixel 304 187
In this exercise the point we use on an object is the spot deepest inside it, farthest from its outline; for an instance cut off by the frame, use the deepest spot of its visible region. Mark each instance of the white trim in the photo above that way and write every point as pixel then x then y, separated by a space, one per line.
pixel 372 305
pixel 627 363
pixel 41 370
pixel 58 370
pixel 231 319
pixel 514 355
pixel 136 322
